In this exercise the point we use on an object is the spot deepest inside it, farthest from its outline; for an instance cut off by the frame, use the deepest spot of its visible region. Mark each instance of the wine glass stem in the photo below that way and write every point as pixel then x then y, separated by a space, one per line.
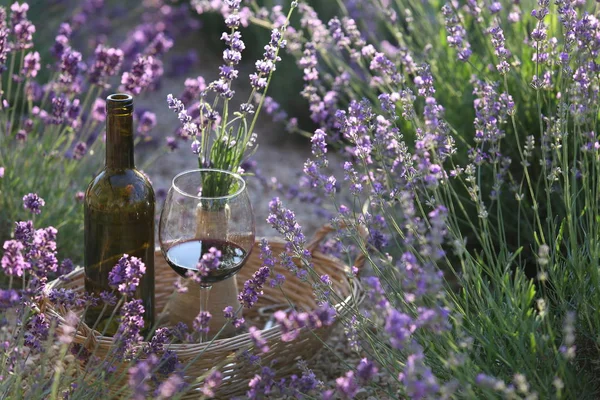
pixel 204 293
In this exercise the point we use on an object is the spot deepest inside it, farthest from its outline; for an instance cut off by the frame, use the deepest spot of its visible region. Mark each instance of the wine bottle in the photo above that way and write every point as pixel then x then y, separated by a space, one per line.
pixel 118 217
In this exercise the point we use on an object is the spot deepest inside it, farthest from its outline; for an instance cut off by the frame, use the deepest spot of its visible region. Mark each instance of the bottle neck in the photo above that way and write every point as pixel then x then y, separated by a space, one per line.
pixel 119 132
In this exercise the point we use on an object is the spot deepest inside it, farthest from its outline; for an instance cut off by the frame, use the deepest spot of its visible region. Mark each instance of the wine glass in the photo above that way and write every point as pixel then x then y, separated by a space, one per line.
pixel 205 209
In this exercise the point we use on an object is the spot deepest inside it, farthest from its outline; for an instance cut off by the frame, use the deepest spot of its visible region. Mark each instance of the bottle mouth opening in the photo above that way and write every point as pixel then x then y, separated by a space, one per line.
pixel 120 97
pixel 119 101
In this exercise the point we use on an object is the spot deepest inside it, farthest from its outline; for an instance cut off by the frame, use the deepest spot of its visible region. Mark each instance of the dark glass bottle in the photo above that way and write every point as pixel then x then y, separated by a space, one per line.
pixel 119 217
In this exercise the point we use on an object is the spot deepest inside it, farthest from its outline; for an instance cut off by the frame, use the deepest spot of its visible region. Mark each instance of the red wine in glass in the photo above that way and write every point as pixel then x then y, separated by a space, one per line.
pixel 207 208
pixel 184 256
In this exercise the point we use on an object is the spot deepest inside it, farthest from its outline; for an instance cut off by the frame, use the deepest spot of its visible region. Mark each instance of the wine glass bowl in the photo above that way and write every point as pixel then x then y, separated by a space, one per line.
pixel 207 210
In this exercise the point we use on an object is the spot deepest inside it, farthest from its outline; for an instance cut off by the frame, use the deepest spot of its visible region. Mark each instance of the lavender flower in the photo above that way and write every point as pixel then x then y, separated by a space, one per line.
pixel 456 32
pixel 501 52
pixel 126 274
pixel 284 221
pixel 37 331
pixel 170 387
pixel 13 263
pixel 258 342
pixel 141 75
pixel 139 375
pixel 24 231
pixel 106 64
pixel 266 66
pixel 42 253
pixel 261 385
pixel 253 287
pixel 33 203
pixel 418 379
pixel 64 297
pixel 400 327
pixel 159 45
pixel 31 64
pixel 201 322
pixel 69 68
pixel 229 314
pixel 22 28
pixel 3 48
pixel 9 299
pixel 290 324
pixel 212 383
pixel 128 335
pixel 347 386
pixel 147 122
pixel 59 109
pixel 365 370
pixel 157 343
pixel 79 151
pixel 61 43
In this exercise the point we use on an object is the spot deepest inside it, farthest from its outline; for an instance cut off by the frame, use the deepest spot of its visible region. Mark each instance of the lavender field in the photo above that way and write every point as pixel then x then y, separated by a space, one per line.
pixel 448 149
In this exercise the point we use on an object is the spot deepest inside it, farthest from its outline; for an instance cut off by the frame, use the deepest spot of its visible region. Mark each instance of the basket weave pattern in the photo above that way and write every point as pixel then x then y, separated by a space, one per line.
pixel 223 351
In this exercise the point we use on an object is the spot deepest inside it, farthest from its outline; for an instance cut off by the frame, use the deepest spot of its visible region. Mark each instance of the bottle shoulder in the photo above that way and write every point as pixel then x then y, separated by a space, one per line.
pixel 113 188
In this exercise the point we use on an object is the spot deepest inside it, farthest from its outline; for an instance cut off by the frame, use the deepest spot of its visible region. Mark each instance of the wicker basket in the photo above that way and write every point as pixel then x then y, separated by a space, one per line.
pixel 222 351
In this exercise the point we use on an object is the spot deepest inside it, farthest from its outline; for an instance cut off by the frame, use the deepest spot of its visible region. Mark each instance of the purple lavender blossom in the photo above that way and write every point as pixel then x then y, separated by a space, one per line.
pixel 31 64
pixel 79 151
pixel 67 298
pixel 365 370
pixel 418 379
pixel 456 32
pixel 159 45
pixel 9 298
pixel 42 253
pixel 170 387
pixel 69 67
pixel 157 343
pixel 261 385
pixel 61 43
pixel 59 108
pixel 347 386
pixel 258 342
pixel 3 48
pixel 267 65
pixel 141 75
pixel 212 383
pixel 13 263
pixel 37 331
pixel 128 335
pixel 106 64
pixel 503 54
pixel 24 231
pixel 147 122
pixel 126 275
pixel 22 28
pixel 193 88
pixel 65 267
pixel 33 203
pixel 99 110
pixel 172 143
pixel 290 324
pixel 228 313
pixel 253 287
pixel 201 322
pixel 284 221
pixel 400 327
pixel 139 376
